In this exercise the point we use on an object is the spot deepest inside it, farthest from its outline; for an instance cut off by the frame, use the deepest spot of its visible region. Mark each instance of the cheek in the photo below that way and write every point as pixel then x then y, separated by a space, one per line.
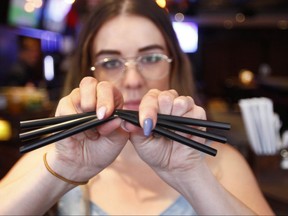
pixel 99 76
pixel 162 84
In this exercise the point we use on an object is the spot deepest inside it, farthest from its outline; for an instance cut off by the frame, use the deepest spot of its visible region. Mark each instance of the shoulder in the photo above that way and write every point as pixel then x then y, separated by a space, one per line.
pixel 235 175
pixel 232 171
pixel 228 162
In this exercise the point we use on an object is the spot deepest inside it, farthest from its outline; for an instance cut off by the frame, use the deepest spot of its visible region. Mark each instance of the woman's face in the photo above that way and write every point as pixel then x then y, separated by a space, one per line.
pixel 128 37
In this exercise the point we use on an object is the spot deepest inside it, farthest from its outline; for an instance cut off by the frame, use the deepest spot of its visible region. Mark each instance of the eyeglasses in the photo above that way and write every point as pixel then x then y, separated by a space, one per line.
pixel 150 66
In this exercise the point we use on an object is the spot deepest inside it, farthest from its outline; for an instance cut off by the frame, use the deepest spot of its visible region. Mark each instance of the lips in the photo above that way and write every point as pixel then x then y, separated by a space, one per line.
pixel 132 105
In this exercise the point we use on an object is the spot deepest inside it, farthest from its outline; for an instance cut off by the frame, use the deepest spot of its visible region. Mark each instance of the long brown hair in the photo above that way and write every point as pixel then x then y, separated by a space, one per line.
pixel 181 78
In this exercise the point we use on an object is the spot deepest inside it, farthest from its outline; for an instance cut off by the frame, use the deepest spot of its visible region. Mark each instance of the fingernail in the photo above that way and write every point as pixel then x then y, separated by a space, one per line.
pixel 147 127
pixel 101 112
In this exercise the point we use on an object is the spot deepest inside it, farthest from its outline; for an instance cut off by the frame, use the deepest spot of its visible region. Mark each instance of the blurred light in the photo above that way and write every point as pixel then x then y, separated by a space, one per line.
pixel 49 68
pixel 283 24
pixel 5 130
pixel 24 13
pixel 54 18
pixel 246 77
pixel 240 17
pixel 69 1
pixel 50 41
pixel 161 3
pixel 57 10
pixel 264 70
pixel 29 7
pixel 228 24
pixel 38 3
pixel 187 34
pixel 179 17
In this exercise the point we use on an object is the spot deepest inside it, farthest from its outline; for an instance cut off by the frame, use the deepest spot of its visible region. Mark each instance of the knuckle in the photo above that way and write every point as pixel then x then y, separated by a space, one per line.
pixel 181 102
pixel 153 92
pixel 166 96
pixel 174 92
pixel 104 84
pixel 190 99
pixel 202 112
pixel 87 81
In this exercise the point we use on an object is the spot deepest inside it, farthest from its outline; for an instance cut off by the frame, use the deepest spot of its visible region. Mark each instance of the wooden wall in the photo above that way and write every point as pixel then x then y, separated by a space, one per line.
pixel 223 53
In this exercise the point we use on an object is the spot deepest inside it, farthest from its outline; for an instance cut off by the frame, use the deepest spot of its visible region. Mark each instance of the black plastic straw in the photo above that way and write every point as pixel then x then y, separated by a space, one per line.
pixel 53 120
pixel 186 120
pixel 173 136
pixel 183 128
pixel 55 128
pixel 64 134
pixel 65 126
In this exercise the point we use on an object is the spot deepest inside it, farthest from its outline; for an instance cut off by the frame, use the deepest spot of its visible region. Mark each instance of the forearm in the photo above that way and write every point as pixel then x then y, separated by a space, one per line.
pixel 34 193
pixel 204 192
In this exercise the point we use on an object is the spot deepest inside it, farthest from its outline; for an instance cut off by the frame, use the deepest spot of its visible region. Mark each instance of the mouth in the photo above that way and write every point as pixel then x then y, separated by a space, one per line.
pixel 132 105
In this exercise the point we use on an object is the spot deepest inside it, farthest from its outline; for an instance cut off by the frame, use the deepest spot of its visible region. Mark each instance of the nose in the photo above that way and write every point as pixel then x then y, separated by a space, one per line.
pixel 133 77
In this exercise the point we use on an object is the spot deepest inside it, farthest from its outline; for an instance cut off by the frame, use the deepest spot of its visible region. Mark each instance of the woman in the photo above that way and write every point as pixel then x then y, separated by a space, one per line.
pixel 128 57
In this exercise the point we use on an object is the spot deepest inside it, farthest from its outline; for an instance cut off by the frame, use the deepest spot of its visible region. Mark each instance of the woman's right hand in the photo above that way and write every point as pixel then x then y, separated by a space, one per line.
pixel 83 155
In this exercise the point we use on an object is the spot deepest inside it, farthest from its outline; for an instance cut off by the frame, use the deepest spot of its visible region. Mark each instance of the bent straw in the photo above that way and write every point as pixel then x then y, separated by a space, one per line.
pixel 186 120
pixel 164 121
pixel 173 136
pixel 176 119
pixel 53 120
pixel 183 128
pixel 192 131
pixel 55 128
pixel 66 133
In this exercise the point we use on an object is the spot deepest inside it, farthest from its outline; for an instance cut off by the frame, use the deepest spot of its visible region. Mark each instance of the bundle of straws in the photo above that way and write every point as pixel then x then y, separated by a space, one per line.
pixel 35 132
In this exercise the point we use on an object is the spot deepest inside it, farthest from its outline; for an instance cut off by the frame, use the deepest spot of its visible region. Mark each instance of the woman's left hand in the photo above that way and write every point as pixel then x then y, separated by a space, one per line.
pixel 162 154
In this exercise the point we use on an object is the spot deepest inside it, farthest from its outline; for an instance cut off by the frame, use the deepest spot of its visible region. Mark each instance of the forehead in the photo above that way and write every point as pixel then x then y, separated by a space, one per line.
pixel 128 34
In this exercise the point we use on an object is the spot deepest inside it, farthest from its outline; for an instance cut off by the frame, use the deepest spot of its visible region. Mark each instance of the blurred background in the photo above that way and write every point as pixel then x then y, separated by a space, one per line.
pixel 238 49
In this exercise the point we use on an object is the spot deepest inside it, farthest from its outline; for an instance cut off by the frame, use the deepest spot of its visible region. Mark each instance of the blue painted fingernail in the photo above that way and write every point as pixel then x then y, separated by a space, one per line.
pixel 147 127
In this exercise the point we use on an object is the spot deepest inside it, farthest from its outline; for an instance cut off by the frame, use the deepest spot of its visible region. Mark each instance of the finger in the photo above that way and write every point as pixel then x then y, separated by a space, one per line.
pixel 108 99
pixel 109 127
pixel 69 104
pixel 130 128
pixel 148 110
pixel 186 107
pixel 197 111
pixel 88 93
pixel 193 111
pixel 182 105
pixel 165 101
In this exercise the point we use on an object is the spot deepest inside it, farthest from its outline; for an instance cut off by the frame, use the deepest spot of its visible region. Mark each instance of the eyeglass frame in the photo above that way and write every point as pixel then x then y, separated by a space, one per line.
pixel 135 61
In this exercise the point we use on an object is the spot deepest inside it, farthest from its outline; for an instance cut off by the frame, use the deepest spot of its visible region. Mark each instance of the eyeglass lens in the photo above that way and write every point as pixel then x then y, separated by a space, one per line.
pixel 151 66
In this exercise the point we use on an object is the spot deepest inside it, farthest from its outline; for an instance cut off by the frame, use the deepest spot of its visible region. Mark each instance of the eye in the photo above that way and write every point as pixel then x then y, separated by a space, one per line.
pixel 110 64
pixel 151 59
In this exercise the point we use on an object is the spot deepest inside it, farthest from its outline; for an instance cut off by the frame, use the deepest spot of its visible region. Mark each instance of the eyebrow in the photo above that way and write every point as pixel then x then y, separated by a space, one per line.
pixel 107 52
pixel 151 47
pixel 115 52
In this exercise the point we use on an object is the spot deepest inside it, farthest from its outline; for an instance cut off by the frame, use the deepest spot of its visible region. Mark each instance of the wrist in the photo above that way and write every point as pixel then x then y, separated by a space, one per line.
pixel 65 170
pixel 183 178
pixel 60 176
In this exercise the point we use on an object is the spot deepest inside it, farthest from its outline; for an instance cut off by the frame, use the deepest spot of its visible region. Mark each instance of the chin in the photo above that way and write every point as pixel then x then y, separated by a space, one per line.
pixel 131 107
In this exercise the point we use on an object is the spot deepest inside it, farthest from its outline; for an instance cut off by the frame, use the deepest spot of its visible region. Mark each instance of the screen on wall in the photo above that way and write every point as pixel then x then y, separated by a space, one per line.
pixel 55 13
pixel 23 13
pixel 187 34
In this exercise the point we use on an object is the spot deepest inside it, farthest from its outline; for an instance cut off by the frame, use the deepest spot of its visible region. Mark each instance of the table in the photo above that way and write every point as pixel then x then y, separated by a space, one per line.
pixel 273 181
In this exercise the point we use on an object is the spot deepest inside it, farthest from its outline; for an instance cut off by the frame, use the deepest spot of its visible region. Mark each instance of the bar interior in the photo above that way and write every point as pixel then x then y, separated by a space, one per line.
pixel 238 50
